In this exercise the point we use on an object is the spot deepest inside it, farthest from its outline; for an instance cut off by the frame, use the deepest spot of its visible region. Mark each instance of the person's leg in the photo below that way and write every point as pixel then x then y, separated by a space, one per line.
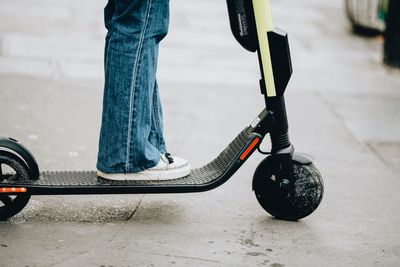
pixel 159 29
pixel 108 14
pixel 134 31
pixel 157 132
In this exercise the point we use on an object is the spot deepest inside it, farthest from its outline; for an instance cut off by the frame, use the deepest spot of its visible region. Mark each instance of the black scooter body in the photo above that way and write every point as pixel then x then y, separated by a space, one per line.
pixel 202 179
pixel 286 184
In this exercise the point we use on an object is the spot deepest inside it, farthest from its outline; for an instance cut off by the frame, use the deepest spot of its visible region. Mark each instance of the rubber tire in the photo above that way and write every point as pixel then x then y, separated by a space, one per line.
pixel 21 200
pixel 305 192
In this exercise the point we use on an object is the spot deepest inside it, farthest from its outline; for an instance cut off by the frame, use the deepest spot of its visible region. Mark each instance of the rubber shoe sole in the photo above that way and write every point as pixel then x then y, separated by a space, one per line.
pixel 149 174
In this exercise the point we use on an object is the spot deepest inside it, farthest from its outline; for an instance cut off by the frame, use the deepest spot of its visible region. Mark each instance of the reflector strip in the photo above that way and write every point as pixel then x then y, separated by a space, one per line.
pixel 12 190
pixel 263 17
pixel 249 149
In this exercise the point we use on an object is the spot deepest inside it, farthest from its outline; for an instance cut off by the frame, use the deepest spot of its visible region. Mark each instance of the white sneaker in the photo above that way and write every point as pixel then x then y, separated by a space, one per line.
pixel 168 168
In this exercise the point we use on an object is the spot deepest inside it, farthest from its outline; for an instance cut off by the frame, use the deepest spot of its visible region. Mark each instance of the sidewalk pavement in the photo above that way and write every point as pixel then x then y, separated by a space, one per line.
pixel 343 107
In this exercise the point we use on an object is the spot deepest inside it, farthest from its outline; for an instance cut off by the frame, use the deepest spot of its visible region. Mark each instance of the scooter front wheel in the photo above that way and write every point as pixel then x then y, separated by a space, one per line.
pixel 12 168
pixel 300 199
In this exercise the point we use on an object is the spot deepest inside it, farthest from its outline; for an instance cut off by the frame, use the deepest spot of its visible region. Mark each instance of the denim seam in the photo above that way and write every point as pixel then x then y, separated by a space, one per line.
pixel 156 112
pixel 109 52
pixel 133 85
pixel 108 55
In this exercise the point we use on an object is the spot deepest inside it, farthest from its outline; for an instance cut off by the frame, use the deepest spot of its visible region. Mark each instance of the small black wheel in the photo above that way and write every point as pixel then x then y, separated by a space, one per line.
pixel 296 202
pixel 12 168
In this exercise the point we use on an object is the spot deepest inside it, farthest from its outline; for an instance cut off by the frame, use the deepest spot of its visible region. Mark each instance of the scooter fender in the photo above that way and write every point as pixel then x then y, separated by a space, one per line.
pixel 302 158
pixel 21 151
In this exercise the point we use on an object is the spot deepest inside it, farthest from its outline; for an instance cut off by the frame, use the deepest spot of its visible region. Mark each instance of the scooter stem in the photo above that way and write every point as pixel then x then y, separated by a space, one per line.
pixel 263 22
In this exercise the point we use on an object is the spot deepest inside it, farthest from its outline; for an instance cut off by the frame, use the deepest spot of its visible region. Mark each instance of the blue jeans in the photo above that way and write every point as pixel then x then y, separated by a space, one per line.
pixel 131 136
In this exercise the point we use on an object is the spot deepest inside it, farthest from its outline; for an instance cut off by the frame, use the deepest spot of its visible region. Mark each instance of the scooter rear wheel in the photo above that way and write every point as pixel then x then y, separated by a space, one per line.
pixel 12 168
pixel 296 202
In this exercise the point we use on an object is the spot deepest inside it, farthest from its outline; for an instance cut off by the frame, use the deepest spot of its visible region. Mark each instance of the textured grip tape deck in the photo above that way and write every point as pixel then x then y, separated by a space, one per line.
pixel 65 182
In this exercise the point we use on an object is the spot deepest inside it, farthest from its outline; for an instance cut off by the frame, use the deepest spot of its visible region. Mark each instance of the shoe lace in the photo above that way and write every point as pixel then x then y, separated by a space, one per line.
pixel 169 158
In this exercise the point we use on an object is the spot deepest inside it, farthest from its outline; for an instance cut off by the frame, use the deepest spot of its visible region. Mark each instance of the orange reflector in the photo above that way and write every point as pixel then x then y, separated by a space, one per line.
pixel 249 149
pixel 12 190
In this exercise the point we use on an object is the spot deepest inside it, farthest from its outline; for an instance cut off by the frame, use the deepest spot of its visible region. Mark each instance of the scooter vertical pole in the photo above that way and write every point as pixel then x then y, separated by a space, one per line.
pixel 274 98
pixel 263 21
pixel 273 85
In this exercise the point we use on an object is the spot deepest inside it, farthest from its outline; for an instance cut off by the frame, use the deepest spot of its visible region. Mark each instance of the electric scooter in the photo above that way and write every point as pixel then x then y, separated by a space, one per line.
pixel 286 183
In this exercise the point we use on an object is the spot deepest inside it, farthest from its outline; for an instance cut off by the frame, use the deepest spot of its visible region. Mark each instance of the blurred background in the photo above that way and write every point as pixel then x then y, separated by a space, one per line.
pixel 375 18
pixel 367 16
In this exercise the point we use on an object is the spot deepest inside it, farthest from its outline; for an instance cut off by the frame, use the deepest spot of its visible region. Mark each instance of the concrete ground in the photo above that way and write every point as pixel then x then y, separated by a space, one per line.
pixel 343 107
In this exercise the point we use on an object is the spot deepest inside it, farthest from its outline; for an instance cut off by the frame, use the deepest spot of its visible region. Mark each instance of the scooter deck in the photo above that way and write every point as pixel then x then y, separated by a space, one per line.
pixel 87 182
